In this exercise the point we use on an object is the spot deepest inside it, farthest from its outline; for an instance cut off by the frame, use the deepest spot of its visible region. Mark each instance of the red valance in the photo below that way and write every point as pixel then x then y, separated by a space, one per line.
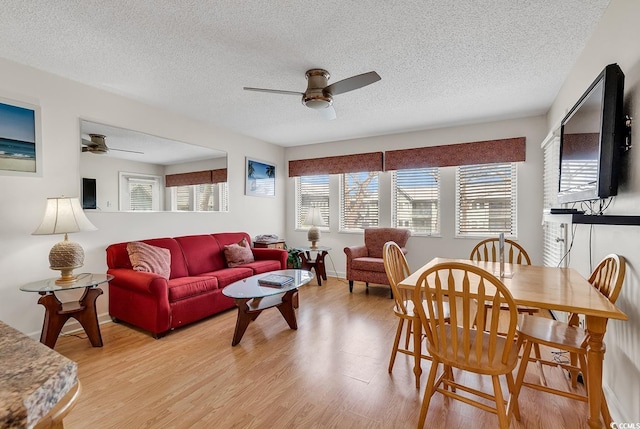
pixel 482 152
pixel 196 177
pixel 336 164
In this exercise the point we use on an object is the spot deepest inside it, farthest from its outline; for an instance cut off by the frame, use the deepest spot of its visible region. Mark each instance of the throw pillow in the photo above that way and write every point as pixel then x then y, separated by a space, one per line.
pixel 151 259
pixel 238 253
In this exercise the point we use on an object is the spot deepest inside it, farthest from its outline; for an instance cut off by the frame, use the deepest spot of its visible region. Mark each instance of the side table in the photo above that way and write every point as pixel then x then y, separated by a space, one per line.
pixel 57 313
pixel 270 244
pixel 318 264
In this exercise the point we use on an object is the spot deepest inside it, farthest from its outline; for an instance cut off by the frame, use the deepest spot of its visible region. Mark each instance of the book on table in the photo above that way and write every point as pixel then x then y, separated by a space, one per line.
pixel 275 280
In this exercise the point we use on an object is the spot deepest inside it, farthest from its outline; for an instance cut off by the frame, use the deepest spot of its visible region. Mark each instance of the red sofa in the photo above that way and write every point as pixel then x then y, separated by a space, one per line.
pixel 193 291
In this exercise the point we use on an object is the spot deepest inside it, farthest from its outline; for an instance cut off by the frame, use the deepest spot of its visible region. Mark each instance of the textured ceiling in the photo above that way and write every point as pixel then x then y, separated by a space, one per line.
pixel 442 62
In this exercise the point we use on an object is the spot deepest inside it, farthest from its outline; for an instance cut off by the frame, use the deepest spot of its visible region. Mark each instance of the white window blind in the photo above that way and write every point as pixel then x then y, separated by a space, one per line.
pixel 554 237
pixel 415 199
pixel 358 201
pixel 311 191
pixel 205 197
pixel 486 200
pixel 139 192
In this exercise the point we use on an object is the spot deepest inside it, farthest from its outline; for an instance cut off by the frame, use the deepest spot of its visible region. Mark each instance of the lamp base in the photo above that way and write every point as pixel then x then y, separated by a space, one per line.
pixel 313 236
pixel 66 256
pixel 66 276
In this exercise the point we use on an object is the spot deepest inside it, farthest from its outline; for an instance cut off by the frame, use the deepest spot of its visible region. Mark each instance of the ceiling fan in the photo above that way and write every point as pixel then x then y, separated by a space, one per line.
pixel 98 146
pixel 319 94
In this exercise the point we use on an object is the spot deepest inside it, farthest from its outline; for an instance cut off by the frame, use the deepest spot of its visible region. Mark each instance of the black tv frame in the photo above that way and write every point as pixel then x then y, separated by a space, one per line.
pixel 612 138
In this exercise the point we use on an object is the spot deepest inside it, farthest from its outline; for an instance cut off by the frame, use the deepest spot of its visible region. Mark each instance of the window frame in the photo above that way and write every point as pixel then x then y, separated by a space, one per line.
pixel 395 192
pixel 513 206
pixel 375 176
pixel 302 209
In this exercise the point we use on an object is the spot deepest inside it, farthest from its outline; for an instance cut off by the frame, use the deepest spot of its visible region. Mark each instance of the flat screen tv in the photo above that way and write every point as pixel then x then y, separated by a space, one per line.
pixel 592 139
pixel 88 193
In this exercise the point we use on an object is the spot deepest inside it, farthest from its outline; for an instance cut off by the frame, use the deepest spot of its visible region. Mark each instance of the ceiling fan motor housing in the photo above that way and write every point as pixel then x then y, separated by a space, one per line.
pixel 315 96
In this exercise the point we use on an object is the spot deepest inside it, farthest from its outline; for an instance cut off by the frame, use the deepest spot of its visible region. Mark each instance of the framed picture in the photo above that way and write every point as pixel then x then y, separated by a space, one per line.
pixel 260 178
pixel 20 141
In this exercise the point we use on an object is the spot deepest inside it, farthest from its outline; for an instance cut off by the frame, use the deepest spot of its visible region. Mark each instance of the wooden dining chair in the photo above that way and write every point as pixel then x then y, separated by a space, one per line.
pixel 487 250
pixel 397 269
pixel 460 343
pixel 569 337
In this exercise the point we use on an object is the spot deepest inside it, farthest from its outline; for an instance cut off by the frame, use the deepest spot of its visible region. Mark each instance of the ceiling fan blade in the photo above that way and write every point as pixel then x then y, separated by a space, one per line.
pixel 124 150
pixel 274 91
pixel 328 113
pixel 353 82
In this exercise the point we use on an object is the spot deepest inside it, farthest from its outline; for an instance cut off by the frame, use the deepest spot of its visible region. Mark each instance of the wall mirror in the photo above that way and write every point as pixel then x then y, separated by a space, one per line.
pixel 125 170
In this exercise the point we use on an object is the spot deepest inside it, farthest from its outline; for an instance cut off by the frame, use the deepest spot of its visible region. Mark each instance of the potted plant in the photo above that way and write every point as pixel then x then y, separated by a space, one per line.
pixel 293 260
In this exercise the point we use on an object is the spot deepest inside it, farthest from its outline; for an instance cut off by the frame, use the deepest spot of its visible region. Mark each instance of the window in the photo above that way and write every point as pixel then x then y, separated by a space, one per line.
pixel 486 200
pixel 554 238
pixel 311 191
pixel 358 201
pixel 415 199
pixel 206 197
pixel 139 192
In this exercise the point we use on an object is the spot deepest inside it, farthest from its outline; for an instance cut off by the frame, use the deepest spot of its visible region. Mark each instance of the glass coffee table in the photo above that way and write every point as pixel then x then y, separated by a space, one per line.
pixel 252 298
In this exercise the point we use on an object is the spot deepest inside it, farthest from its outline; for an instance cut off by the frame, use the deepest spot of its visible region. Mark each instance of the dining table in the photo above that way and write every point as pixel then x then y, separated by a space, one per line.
pixel 552 288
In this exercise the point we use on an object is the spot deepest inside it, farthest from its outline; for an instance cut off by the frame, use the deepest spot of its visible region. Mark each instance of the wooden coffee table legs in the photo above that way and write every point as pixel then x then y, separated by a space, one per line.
pixel 250 308
pixel 57 313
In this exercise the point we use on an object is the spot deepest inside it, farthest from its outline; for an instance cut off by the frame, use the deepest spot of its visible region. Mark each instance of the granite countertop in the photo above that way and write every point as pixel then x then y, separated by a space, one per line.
pixel 33 378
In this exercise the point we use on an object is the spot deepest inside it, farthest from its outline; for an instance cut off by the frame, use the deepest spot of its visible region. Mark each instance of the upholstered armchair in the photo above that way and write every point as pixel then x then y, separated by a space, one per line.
pixel 364 262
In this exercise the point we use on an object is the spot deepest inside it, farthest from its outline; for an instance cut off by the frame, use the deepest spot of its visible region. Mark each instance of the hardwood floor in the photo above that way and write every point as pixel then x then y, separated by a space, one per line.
pixel 330 373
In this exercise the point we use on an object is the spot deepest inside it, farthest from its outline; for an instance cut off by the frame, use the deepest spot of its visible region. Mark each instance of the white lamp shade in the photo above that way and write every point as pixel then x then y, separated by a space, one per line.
pixel 63 215
pixel 314 217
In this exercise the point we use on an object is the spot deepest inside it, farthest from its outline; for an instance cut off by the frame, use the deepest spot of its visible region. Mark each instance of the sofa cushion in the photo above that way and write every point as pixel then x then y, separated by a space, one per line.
pixel 263 266
pixel 118 257
pixel 238 253
pixel 187 287
pixel 368 264
pixel 150 259
pixel 202 253
pixel 226 276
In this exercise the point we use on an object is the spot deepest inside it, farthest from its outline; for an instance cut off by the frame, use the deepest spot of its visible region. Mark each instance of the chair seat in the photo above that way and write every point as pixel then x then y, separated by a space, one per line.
pixel 409 305
pixel 552 333
pixel 470 363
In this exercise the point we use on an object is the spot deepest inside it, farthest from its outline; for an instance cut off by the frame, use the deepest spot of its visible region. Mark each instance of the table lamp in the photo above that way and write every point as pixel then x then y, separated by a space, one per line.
pixel 314 219
pixel 62 216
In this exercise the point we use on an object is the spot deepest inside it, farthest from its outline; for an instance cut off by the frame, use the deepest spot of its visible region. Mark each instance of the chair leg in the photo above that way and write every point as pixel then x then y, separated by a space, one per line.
pixel 512 406
pixel 407 337
pixel 574 373
pixel 501 411
pixel 350 286
pixel 428 393
pixel 417 352
pixel 520 377
pixel 396 341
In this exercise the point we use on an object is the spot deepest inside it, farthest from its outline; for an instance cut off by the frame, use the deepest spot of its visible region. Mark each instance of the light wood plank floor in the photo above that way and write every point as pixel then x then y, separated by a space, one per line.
pixel 330 373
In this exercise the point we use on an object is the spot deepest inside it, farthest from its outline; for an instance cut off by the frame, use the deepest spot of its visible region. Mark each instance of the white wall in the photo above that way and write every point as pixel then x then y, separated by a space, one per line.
pixel 420 248
pixel 614 41
pixel 23 257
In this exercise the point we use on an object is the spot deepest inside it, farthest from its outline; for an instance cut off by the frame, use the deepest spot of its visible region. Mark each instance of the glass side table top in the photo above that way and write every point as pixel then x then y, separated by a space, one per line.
pixel 84 280
pixel 317 249
pixel 250 288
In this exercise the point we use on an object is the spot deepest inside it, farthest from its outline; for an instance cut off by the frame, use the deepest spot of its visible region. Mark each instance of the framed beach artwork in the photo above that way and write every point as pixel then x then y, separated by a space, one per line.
pixel 260 180
pixel 20 142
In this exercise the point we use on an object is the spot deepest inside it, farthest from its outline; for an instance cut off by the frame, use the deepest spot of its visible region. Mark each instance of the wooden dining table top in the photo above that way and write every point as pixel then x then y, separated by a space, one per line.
pixel 552 288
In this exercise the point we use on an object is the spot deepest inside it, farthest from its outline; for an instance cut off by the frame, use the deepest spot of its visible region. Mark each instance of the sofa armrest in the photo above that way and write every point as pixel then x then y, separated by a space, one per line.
pixel 139 281
pixel 261 254
pixel 356 252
